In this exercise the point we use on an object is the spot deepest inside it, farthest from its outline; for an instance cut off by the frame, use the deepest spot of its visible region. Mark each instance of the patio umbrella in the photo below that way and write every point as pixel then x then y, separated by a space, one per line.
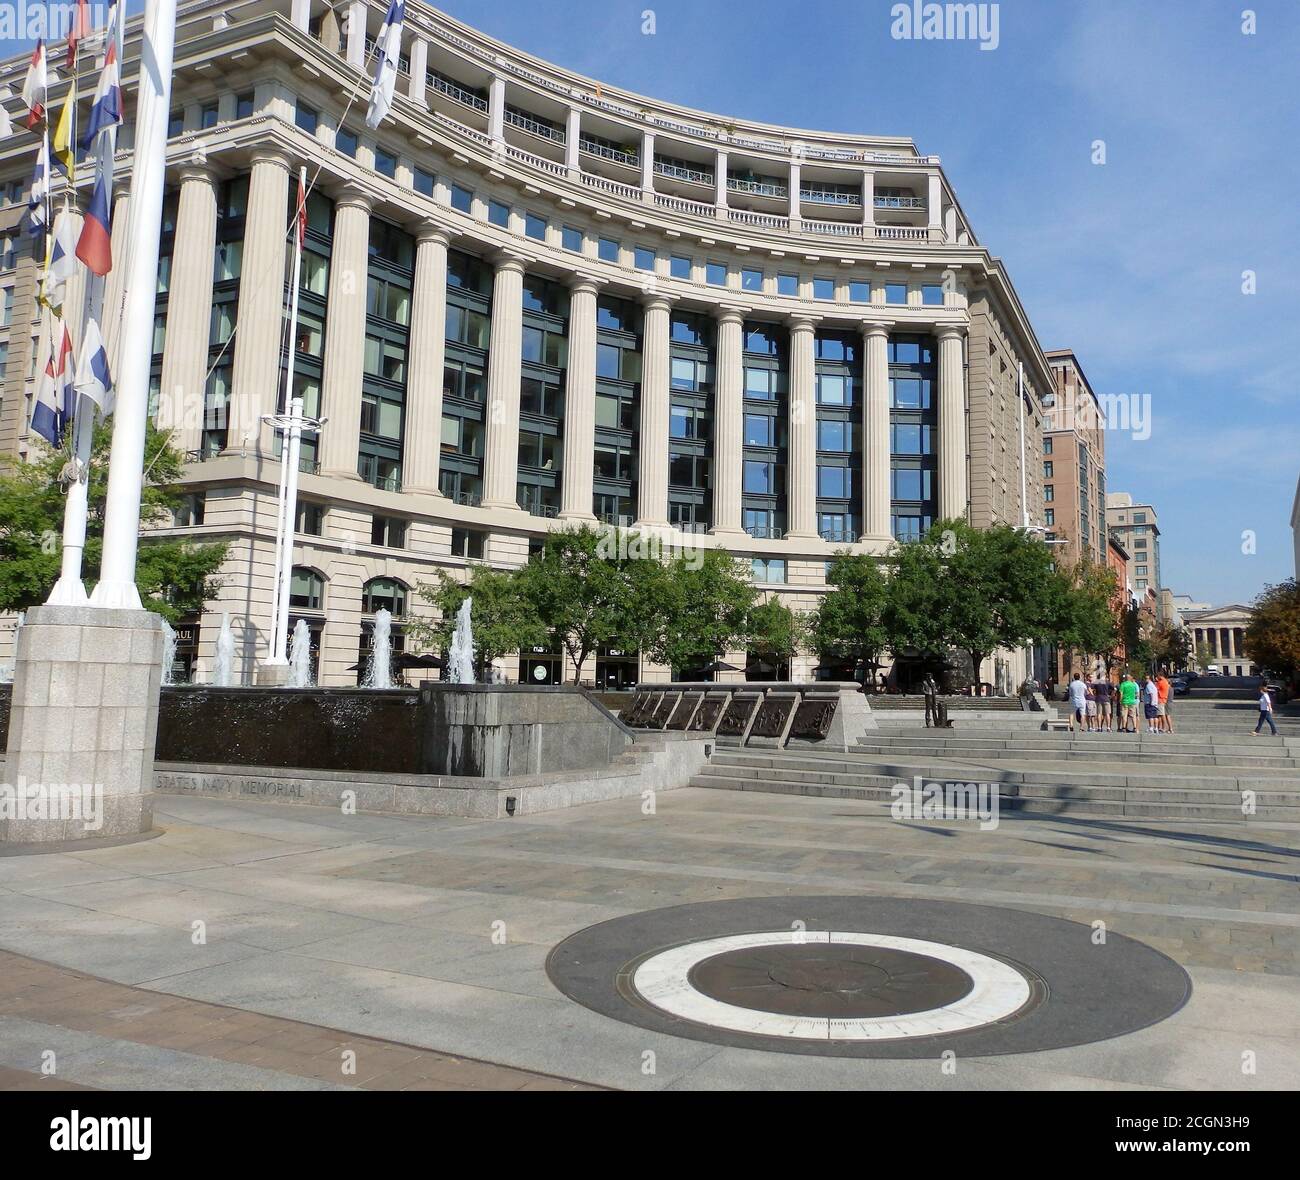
pixel 407 662
pixel 716 666
pixel 762 667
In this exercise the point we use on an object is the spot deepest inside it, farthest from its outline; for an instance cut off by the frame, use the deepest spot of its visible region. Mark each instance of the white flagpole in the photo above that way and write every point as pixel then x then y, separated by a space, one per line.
pixel 116 586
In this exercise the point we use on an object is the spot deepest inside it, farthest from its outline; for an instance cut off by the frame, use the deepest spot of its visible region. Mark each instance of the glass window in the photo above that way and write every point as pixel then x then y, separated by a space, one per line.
pixel 787 284
pixel 859 292
pixel 644 258
pixel 833 482
pixel 422 182
pixel 896 293
pixel 909 393
pixel 462 199
pixel 385 162
pixel 760 339
pixel 498 214
pixel 608 250
pixel 768 569
pixel 609 361
pixel 932 294
pixel 833 436
pixel 910 439
pixel 832 389
pixel 685 329
pixel 911 483
pixel 759 477
pixel 759 430
pixel 683 373
pixel 760 383
pixel 571 239
pixel 716 274
pixel 306 589
pixel 346 141
pixel 535 227
pixel 307 118
pixel 680 267
pixel 823 288
pixel 751 280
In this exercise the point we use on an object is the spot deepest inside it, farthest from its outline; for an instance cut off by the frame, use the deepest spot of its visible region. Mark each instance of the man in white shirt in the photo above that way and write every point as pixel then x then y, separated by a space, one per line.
pixel 1151 699
pixel 1265 711
pixel 1078 701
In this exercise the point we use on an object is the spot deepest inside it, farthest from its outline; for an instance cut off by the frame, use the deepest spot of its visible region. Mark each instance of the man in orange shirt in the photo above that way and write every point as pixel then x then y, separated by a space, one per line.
pixel 1163 719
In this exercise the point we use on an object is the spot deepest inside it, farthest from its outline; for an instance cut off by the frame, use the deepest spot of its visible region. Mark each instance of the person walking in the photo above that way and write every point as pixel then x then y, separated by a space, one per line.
pixel 1128 696
pixel 931 691
pixel 1162 703
pixel 1102 691
pixel 1265 711
pixel 1078 702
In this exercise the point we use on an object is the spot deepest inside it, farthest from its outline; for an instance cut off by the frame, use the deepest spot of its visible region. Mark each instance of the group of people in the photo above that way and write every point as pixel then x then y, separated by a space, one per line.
pixel 1111 704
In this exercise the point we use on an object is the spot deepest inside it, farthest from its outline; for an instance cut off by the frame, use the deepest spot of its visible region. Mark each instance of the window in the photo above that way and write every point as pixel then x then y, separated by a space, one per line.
pixel 208 116
pixel 384 594
pixel 1049 493
pixel 614 413
pixel 543 348
pixel 715 274
pixel 462 199
pixel 932 294
pixel 751 280
pixel 768 569
pixel 833 483
pixel 759 477
pixel 760 384
pixel 189 510
pixel 539 451
pixel 761 339
pixel 306 589
pixel 385 162
pixel 823 288
pixel 243 105
pixel 613 462
pixel 346 141
pixel 609 361
pixel 909 438
pixel 859 292
pixel 911 483
pixel 787 285
pixel 644 258
pixel 307 118
pixel 679 267
pixel 388 300
pixel 467 327
pixel 422 182
pixel 383 358
pixel 607 250
pixel 759 430
pixel 686 329
pixel 389 531
pixel 499 214
pixel 832 389
pixel 1047 470
pixel 6 306
pixel 571 239
pixel 1047 445
pixel 688 422
pixel 909 393
pixel 311 519
pixel 535 227
pixel 1050 517
pixel 896 293
pixel 834 436
pixel 468 543
pixel 685 374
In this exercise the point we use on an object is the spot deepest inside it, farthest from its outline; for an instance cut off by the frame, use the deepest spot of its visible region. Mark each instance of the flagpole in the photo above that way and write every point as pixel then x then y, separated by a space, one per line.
pixel 117 588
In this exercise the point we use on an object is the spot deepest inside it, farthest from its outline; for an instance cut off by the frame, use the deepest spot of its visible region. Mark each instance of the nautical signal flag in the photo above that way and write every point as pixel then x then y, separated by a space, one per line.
pixel 62 146
pixel 94 381
pixel 36 86
pixel 79 29
pixel 95 246
pixel 302 213
pixel 53 404
pixel 38 212
pixel 60 265
pixel 388 50
pixel 106 109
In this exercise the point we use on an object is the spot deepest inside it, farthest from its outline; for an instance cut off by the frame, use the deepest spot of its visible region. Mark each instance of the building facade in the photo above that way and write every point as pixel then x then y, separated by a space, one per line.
pixel 529 300
pixel 1074 465
pixel 1219 638
pixel 1137 528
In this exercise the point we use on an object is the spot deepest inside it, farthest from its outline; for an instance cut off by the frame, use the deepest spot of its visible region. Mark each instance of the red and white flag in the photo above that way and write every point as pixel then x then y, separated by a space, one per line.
pixel 36 86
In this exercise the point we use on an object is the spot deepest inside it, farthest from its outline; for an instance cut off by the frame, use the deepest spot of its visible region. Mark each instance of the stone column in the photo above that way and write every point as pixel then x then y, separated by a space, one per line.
pixel 876 472
pixel 255 375
pixel 356 46
pixel 422 447
pixel 728 423
pixel 647 164
pixel 189 309
pixel 572 134
pixel 497 109
pixel 300 14
pixel 501 463
pixel 795 183
pixel 868 198
pixel 652 475
pixel 419 71
pixel 801 476
pixel 345 335
pixel 580 404
pixel 720 179
pixel 953 491
pixel 934 205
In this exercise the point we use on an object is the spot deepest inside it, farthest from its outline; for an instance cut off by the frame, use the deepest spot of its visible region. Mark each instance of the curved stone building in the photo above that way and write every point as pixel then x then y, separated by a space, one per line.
pixel 530 299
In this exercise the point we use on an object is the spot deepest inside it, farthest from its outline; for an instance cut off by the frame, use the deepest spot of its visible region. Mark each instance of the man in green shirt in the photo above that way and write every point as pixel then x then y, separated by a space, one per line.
pixel 1128 699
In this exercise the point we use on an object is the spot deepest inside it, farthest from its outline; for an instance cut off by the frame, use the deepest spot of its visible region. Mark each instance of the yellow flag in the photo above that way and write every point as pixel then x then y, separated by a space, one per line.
pixel 62 146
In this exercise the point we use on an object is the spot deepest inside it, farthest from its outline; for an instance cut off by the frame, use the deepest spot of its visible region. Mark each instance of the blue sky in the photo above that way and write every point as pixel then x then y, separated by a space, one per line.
pixel 1135 264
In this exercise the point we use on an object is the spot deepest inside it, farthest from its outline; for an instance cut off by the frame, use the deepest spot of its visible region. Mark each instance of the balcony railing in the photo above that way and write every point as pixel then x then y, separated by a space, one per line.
pixel 764 533
pixel 898 202
pixel 838 229
pixel 468 499
pixel 536 126
pixel 829 196
pixel 618 155
pixel 677 172
pixel 757 188
pixel 838 536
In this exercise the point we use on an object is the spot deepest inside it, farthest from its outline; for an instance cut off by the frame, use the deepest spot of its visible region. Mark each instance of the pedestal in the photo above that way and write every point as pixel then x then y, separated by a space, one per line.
pixel 274 675
pixel 82 726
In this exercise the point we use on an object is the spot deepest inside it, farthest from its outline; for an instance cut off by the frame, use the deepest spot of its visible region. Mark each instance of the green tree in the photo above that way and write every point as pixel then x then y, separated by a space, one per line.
pixel 772 630
pixel 1171 646
pixel 699 606
pixel 174 576
pixel 504 618
pixel 1082 610
pixel 1273 635
pixel 583 591
pixel 849 621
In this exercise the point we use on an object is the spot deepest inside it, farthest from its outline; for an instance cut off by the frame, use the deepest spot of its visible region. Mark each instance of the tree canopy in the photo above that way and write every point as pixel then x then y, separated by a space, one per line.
pixel 1273 635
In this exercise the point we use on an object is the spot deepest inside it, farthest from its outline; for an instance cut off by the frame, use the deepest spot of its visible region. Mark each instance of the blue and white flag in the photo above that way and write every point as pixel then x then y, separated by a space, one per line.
pixel 53 406
pixel 388 50
pixel 38 211
pixel 61 264
pixel 94 381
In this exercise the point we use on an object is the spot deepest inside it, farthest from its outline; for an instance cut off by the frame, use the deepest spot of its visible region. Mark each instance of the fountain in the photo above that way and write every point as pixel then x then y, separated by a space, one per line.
pixel 460 664
pixel 169 653
pixel 300 656
pixel 378 674
pixel 224 664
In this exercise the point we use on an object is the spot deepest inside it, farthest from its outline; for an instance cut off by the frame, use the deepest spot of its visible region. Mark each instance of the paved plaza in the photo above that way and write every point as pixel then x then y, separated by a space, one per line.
pixel 251 945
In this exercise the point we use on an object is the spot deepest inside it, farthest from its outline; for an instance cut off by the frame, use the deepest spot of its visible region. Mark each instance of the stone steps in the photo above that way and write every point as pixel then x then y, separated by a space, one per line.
pixel 1030 791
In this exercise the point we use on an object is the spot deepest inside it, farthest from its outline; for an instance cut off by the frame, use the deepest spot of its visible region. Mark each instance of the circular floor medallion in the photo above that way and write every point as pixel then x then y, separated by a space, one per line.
pixel 867 977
